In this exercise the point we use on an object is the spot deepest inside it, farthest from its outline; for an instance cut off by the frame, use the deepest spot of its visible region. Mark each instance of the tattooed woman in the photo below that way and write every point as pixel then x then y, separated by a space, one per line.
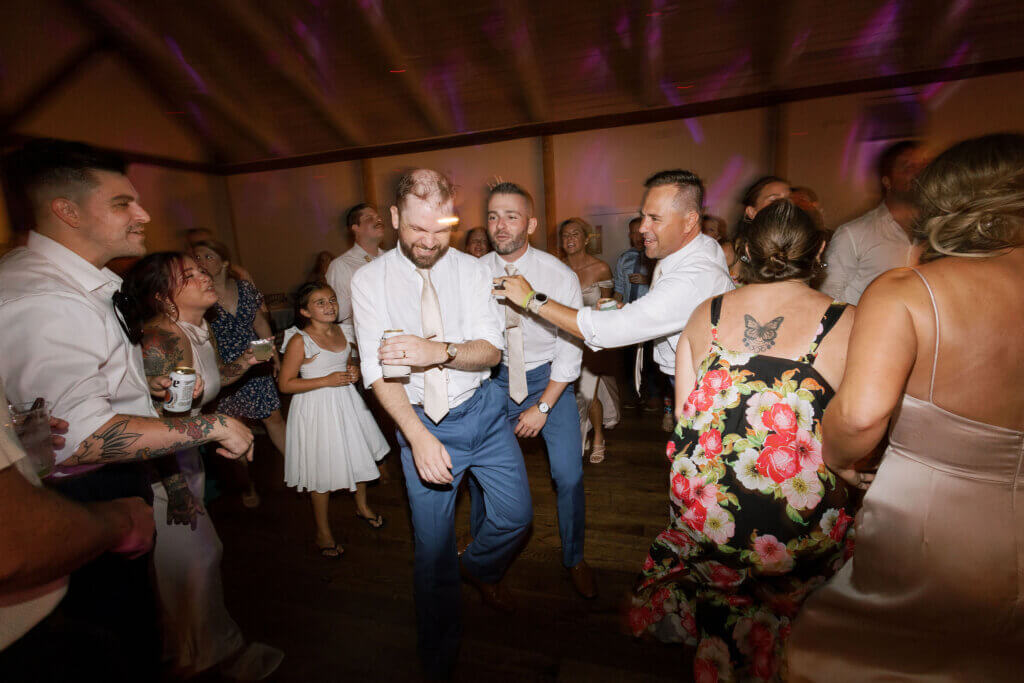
pixel 757 520
pixel 166 295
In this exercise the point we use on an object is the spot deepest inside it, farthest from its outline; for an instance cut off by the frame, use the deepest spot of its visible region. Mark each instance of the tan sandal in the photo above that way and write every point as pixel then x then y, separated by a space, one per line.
pixel 597 453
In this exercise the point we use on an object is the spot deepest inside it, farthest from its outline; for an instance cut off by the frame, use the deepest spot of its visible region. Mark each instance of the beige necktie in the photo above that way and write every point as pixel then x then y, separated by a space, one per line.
pixel 638 367
pixel 435 379
pixel 514 344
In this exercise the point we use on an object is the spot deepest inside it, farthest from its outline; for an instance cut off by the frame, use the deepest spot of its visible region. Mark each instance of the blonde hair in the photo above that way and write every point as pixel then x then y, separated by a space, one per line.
pixel 971 198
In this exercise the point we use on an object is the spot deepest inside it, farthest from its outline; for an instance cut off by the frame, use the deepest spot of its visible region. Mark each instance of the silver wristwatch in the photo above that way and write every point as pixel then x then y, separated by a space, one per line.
pixel 536 302
pixel 543 407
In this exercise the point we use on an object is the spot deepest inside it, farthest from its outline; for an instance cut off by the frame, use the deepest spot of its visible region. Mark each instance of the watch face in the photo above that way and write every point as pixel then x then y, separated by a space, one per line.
pixel 543 407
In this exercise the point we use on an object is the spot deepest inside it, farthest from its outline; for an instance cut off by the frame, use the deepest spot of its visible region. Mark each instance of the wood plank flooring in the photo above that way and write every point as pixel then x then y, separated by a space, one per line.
pixel 353 620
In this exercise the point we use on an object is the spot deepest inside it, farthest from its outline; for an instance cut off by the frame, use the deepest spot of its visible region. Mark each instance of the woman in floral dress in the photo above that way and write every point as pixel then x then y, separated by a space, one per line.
pixel 757 520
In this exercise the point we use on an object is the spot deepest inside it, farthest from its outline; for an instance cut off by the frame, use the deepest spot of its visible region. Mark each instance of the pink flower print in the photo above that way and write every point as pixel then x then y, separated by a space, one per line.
pixel 778 459
pixel 808 450
pixel 780 418
pixel 842 523
pixel 695 515
pixel 771 554
pixel 704 671
pixel 711 441
pixel 716 381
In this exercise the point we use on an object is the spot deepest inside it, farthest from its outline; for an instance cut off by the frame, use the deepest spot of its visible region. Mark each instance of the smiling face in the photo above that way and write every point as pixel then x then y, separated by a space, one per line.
pixel 322 306
pixel 574 239
pixel 110 218
pixel 669 221
pixel 194 289
pixel 509 223
pixel 424 229
pixel 476 242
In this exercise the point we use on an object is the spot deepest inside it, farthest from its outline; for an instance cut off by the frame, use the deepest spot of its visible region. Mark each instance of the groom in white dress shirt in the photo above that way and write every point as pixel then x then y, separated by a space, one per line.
pixel 451 417
pixel 691 268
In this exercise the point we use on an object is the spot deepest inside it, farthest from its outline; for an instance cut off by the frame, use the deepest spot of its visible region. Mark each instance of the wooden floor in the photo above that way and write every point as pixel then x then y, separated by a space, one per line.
pixel 353 620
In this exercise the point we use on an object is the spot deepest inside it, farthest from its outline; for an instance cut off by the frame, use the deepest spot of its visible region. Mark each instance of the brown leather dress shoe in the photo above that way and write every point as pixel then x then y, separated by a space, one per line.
pixel 494 595
pixel 583 580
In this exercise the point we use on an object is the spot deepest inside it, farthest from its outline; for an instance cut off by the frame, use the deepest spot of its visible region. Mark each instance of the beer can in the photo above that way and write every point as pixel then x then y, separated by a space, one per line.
pixel 394 370
pixel 607 304
pixel 183 383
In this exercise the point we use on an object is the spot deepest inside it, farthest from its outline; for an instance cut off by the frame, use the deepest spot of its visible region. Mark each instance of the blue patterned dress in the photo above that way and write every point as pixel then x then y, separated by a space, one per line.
pixel 255 397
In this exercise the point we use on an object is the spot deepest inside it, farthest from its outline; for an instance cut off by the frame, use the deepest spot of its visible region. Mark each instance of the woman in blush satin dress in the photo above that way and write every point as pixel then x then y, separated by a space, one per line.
pixel 935 589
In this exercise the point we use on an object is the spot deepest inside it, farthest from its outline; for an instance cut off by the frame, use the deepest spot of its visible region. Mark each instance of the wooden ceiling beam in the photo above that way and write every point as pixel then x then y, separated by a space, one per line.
pixel 519 40
pixel 63 73
pixel 267 39
pixel 394 58
pixel 141 42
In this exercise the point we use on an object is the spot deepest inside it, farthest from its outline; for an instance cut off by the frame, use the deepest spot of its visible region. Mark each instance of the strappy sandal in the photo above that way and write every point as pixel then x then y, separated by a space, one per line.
pixel 597 453
pixel 331 552
pixel 376 522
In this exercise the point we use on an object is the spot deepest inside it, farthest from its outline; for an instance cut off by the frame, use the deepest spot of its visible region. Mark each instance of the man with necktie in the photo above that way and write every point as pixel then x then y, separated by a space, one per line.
pixel 538 368
pixel 451 418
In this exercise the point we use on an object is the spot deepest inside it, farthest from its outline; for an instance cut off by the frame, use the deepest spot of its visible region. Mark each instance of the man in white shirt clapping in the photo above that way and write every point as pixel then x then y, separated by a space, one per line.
pixel 538 367
pixel 691 269
pixel 451 418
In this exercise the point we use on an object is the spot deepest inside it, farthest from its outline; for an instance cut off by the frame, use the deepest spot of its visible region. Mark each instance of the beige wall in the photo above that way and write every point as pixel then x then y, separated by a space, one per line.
pixel 284 218
pixel 179 200
pixel 826 149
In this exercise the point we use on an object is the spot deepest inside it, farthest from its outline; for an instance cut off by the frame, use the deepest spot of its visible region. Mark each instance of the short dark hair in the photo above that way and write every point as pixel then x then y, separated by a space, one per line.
pixel 635 219
pixel 887 159
pixel 356 213
pixel 686 182
pixel 781 243
pixel 59 165
pixel 510 188
pixel 425 184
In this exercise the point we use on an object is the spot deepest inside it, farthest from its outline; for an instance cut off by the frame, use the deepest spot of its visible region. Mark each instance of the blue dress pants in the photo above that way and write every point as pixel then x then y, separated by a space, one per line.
pixel 561 435
pixel 479 439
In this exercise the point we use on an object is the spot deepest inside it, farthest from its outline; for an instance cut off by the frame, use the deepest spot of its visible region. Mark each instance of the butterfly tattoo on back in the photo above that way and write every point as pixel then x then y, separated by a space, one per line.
pixel 757 337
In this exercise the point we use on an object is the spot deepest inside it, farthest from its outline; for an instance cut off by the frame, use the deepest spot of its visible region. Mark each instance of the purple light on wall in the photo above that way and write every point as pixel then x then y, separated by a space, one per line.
pixel 622 30
pixel 372 9
pixel 957 58
pixel 957 10
pixel 176 51
pixel 724 186
pixel 671 93
pixel 880 30
pixel 595 66
pixel 850 147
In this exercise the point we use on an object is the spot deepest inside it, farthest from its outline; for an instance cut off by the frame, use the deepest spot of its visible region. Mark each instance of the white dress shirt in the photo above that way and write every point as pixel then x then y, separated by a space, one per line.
pixel 686 278
pixel 61 340
pixel 386 296
pixel 863 249
pixel 542 341
pixel 21 611
pixel 339 277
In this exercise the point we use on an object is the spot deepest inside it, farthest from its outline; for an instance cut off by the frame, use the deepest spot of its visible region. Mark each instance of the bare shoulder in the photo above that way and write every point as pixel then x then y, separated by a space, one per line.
pixel 896 285
pixel 163 349
pixel 600 269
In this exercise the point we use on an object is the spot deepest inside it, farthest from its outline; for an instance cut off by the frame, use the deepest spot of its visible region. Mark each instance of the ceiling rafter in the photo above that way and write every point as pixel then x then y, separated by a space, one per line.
pixel 519 40
pixel 268 40
pixel 143 43
pixel 387 43
pixel 64 72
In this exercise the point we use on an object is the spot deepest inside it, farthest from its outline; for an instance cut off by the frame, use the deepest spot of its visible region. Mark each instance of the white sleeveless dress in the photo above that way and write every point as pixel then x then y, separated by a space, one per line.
pixel 333 442
pixel 198 631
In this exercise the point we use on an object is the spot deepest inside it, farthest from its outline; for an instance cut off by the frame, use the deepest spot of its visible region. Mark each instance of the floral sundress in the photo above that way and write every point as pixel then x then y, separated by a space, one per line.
pixel 757 521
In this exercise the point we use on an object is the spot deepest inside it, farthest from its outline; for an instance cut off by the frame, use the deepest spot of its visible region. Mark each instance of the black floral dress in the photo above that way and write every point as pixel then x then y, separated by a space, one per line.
pixel 254 397
pixel 757 520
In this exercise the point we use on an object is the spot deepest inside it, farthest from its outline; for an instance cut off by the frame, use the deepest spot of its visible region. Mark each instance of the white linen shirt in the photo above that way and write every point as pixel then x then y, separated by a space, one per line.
pixel 542 341
pixel 863 249
pixel 60 339
pixel 339 277
pixel 386 296
pixel 687 277
pixel 23 610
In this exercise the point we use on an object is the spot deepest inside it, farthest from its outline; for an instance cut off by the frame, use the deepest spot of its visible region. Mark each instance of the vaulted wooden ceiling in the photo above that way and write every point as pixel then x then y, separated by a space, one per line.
pixel 280 78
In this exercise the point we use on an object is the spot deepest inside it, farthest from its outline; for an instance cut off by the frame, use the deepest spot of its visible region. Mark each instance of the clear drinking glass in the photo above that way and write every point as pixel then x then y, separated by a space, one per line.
pixel 32 425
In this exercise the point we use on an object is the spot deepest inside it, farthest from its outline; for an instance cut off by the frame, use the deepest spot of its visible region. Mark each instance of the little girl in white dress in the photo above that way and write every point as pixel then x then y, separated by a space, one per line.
pixel 333 442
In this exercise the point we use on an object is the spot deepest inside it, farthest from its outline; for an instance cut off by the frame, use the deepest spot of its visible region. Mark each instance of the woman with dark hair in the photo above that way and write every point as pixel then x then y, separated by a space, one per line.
pixel 937 361
pixel 238 318
pixel 757 520
pixel 334 443
pixel 759 194
pixel 163 300
pixel 597 394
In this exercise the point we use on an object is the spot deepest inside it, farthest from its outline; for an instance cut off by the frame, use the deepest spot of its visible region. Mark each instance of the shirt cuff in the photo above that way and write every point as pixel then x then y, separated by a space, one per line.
pixel 584 320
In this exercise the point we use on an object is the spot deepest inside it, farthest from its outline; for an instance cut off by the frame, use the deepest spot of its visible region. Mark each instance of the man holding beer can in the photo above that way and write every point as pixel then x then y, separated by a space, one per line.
pixel 451 418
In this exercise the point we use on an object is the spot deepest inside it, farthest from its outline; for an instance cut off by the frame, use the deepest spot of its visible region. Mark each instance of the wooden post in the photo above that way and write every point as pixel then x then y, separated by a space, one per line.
pixel 547 144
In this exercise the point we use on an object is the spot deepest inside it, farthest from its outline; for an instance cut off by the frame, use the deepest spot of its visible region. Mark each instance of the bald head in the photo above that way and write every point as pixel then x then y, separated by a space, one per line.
pixel 425 184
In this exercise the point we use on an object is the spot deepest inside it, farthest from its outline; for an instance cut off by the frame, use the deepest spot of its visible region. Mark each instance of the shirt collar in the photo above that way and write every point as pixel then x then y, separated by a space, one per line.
pixel 519 263
pixel 884 218
pixel 77 268
pixel 683 253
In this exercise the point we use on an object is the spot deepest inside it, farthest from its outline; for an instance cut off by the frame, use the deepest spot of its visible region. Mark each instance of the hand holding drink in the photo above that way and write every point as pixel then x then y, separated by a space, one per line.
pixel 31 423
pixel 262 349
